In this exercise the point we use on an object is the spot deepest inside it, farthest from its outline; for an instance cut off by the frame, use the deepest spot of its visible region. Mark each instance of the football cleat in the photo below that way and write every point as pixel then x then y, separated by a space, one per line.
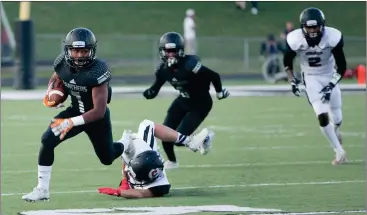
pixel 340 158
pixel 207 144
pixel 38 194
pixel 170 165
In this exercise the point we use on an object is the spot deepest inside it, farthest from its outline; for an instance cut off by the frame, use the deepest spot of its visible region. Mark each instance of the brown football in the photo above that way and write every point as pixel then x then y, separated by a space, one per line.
pixel 56 92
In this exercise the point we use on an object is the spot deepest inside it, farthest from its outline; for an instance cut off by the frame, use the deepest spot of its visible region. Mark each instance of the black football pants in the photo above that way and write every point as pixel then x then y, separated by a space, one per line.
pixel 99 133
pixel 185 116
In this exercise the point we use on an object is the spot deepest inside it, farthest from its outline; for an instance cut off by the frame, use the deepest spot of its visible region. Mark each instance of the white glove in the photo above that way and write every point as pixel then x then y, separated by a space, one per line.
pixel 224 94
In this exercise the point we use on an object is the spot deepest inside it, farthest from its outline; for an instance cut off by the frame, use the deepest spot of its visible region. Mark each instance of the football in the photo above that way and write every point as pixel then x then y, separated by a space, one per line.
pixel 56 92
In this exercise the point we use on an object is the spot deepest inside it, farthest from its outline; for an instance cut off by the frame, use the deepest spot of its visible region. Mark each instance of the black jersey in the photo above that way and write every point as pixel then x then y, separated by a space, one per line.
pixel 79 83
pixel 188 76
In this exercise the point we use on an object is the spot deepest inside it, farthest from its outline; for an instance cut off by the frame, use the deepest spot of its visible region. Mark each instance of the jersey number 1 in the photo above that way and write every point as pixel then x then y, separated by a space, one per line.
pixel 79 99
pixel 314 62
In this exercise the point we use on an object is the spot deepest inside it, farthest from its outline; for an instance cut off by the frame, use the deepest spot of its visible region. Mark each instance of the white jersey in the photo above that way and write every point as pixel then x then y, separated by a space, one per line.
pixel 143 141
pixel 317 60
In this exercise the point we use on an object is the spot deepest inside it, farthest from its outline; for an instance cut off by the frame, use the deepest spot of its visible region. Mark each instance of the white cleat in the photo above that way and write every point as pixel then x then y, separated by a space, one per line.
pixel 202 141
pixel 38 194
pixel 340 158
pixel 170 165
pixel 197 140
pixel 207 144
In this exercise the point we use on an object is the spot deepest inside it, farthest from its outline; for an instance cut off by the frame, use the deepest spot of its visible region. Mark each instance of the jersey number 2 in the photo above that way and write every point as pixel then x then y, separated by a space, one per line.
pixel 314 62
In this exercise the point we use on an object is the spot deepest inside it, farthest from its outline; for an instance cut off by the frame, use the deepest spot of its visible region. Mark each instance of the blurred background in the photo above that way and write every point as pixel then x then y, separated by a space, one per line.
pixel 243 42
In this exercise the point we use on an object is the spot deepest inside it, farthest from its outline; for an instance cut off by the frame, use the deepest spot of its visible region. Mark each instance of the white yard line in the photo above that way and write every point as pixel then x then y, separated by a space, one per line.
pixel 217 186
pixel 234 165
pixel 311 213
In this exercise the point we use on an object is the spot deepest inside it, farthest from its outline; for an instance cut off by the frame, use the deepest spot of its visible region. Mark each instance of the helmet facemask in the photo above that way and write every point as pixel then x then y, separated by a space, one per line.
pixel 171 54
pixel 312 29
pixel 78 55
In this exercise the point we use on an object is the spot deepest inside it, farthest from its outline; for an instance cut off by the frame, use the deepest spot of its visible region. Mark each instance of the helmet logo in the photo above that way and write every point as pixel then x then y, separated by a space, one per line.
pixel 311 23
pixel 170 45
pixel 78 44
pixel 154 173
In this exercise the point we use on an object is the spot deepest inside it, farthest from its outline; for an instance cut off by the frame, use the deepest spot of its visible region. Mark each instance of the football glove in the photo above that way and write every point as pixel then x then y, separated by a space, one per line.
pixel 61 127
pixel 224 94
pixel 294 84
pixel 51 104
pixel 109 191
pixel 326 93
pixel 150 93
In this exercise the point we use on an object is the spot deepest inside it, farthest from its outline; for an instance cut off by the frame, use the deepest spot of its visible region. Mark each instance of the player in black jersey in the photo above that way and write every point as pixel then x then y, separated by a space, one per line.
pixel 192 79
pixel 86 80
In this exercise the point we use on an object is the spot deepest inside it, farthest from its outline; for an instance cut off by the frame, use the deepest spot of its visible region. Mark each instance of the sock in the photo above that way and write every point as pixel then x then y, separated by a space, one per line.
pixel 329 132
pixel 182 139
pixel 168 148
pixel 44 177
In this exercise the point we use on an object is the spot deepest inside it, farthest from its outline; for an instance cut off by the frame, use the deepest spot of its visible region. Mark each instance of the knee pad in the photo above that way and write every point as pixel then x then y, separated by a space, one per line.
pixel 323 119
pixel 336 116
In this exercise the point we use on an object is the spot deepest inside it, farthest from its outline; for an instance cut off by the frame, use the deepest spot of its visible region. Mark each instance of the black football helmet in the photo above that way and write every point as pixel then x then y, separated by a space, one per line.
pixel 80 38
pixel 171 47
pixel 145 167
pixel 312 22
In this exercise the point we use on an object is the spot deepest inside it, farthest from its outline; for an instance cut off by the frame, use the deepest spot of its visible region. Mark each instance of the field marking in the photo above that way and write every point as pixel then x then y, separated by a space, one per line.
pixel 310 213
pixel 234 165
pixel 218 186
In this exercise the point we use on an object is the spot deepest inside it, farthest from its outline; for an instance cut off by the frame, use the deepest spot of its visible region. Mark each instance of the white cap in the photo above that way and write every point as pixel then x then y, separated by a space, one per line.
pixel 190 12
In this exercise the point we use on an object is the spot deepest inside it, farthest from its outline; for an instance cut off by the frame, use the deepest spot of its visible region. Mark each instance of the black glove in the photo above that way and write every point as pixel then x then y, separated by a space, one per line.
pixel 150 93
pixel 295 89
pixel 326 91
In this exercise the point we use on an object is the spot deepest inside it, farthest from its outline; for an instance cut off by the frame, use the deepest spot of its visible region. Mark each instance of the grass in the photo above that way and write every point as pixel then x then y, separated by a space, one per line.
pixel 260 140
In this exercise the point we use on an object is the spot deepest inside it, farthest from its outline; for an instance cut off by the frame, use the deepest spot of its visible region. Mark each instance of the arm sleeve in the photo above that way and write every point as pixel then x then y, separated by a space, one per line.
pixel 194 64
pixel 339 57
pixel 213 76
pixel 159 80
pixel 288 57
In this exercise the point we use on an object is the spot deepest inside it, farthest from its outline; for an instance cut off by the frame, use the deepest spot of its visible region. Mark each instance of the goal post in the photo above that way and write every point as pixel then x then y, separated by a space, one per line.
pixel 25 49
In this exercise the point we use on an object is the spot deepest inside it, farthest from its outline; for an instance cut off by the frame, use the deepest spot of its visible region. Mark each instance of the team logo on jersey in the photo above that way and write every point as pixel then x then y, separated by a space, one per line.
pixel 73 87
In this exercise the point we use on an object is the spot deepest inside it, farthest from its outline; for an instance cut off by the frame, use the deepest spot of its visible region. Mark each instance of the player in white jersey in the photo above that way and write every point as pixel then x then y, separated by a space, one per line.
pixel 319 48
pixel 143 169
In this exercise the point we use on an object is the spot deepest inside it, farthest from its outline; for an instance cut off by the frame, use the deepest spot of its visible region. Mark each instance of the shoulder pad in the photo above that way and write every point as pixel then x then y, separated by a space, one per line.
pixel 294 39
pixel 100 72
pixel 58 61
pixel 193 63
pixel 333 36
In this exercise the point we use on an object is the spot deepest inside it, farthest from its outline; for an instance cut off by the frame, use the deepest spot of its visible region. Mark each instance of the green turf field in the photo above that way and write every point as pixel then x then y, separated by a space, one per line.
pixel 268 153
pixel 129 31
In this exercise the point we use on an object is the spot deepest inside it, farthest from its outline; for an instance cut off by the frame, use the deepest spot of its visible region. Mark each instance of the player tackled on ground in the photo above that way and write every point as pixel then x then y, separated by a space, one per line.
pixel 143 169
pixel 319 48
pixel 86 80
pixel 192 79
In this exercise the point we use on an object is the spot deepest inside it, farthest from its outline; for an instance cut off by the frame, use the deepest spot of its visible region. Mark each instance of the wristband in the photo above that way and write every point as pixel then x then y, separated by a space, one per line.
pixel 78 120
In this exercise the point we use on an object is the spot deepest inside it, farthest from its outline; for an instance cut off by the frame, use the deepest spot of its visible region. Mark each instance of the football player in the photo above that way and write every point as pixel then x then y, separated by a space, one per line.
pixel 319 48
pixel 143 170
pixel 86 80
pixel 192 79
